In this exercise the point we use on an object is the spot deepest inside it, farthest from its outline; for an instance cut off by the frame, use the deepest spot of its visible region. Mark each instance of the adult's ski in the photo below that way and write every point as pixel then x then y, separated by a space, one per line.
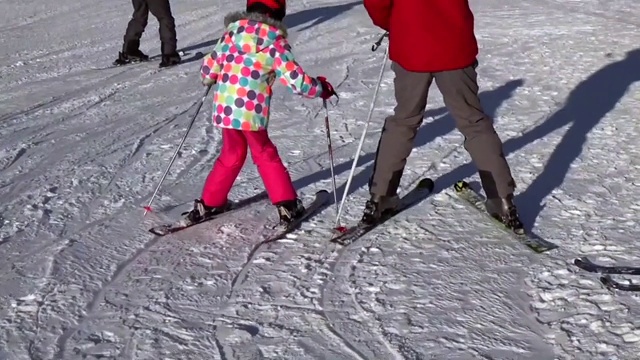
pixel 586 264
pixel 422 189
pixel 476 201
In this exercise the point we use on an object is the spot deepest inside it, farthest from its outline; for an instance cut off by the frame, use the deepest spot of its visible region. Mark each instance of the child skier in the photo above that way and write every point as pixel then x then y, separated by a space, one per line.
pixel 252 53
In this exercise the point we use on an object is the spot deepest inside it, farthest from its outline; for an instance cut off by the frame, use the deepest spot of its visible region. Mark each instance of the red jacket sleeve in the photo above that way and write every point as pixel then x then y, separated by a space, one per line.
pixel 379 11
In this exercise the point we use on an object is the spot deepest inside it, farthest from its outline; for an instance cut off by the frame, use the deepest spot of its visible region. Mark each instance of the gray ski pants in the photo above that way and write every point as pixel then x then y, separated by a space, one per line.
pixel 459 89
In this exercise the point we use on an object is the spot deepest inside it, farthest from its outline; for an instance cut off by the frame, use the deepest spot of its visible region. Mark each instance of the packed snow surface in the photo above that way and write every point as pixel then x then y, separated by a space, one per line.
pixel 83 147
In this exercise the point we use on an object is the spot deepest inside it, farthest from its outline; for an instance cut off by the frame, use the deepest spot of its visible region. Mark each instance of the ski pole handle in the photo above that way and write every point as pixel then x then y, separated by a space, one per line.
pixel 377 44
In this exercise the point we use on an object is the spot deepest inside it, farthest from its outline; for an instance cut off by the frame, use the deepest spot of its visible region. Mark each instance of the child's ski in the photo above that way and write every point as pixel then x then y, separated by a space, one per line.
pixel 165 229
pixel 476 201
pixel 169 228
pixel 423 189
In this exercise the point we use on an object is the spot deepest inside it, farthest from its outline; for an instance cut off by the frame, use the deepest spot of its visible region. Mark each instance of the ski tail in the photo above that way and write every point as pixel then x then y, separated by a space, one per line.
pixel 608 281
pixel 321 197
pixel 175 226
pixel 170 228
pixel 476 201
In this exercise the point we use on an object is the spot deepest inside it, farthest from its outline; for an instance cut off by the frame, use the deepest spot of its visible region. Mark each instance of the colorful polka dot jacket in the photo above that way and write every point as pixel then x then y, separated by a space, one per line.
pixel 248 58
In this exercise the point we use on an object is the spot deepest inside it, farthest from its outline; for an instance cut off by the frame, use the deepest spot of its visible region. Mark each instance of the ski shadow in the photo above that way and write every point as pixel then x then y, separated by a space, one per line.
pixel 315 17
pixel 491 101
pixel 585 106
pixel 209 44
pixel 193 58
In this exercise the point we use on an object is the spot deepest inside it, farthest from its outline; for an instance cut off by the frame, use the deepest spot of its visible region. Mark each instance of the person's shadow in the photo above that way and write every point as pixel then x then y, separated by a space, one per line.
pixel 318 16
pixel 315 17
pixel 586 105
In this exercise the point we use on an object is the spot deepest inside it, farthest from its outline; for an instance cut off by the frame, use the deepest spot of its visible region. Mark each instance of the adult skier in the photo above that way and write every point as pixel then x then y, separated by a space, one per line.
pixel 434 40
pixel 161 9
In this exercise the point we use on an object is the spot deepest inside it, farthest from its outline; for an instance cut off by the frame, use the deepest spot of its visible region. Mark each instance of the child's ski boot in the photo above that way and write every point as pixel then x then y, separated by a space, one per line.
pixel 202 212
pixel 289 211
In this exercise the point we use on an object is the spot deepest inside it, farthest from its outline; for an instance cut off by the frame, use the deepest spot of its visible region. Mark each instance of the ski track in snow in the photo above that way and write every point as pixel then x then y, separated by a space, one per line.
pixel 82 150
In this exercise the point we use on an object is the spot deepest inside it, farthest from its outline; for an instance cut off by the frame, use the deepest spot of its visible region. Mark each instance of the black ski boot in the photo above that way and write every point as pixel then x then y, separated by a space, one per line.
pixel 170 60
pixel 377 207
pixel 504 210
pixel 130 54
pixel 289 210
pixel 202 212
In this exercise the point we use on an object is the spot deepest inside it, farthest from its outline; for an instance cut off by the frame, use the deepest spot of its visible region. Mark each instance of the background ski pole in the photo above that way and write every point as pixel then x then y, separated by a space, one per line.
pixel 364 132
pixel 333 175
pixel 175 154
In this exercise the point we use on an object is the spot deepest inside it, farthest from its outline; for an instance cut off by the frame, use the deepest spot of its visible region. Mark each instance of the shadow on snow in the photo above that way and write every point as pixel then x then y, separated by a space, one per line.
pixel 314 17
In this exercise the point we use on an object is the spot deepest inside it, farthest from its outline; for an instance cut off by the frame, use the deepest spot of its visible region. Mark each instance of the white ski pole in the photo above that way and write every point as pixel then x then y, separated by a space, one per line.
pixel 175 154
pixel 364 133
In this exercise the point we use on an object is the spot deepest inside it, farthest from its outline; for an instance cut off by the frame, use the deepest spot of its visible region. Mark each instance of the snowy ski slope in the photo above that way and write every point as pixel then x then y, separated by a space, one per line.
pixel 81 151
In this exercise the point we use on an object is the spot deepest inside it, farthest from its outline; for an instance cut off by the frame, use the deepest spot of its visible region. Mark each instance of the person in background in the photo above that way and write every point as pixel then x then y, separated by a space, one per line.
pixel 161 9
pixel 435 40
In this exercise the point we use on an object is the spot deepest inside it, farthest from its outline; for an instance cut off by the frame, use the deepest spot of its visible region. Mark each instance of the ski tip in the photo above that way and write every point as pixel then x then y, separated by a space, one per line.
pixel 610 284
pixel 579 261
pixel 427 183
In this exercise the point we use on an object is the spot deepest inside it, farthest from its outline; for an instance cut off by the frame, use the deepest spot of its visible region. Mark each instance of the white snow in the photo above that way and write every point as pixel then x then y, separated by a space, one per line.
pixel 81 151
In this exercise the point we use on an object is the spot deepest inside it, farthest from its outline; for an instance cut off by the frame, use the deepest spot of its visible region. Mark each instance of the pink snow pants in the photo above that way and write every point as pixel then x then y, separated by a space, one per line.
pixel 227 167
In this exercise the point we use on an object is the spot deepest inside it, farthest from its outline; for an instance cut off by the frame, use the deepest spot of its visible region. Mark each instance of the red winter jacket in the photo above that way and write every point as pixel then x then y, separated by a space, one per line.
pixel 427 35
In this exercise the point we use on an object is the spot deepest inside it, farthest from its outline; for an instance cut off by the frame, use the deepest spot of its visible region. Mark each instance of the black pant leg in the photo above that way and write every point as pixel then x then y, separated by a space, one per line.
pixel 136 26
pixel 161 9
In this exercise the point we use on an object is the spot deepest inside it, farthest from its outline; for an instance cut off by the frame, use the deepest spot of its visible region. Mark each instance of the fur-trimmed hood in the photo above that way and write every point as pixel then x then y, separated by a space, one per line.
pixel 243 15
